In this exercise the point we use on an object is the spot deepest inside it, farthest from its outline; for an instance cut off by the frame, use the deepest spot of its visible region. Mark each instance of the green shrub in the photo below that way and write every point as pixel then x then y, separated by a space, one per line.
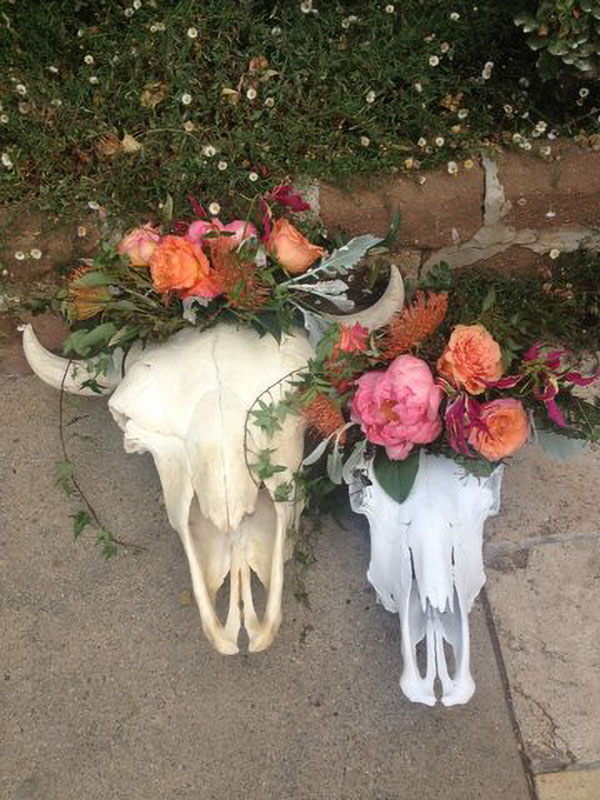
pixel 567 35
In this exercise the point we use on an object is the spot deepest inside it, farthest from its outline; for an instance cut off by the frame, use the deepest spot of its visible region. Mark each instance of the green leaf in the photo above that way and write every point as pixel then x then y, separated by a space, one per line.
pixel 489 300
pixel 107 542
pixel 84 342
pixel 64 476
pixel 283 492
pixel 80 520
pixel 439 278
pixel 396 477
pixel 95 278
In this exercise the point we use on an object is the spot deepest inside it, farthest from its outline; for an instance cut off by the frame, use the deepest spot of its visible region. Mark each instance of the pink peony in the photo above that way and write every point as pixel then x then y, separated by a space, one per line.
pixel 139 244
pixel 239 229
pixel 399 408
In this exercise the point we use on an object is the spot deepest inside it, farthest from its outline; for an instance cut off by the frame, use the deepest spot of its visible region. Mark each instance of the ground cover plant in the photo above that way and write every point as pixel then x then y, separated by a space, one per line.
pixel 117 104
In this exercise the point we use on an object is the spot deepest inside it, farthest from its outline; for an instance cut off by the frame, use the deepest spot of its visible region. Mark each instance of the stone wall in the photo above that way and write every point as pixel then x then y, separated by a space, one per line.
pixel 507 213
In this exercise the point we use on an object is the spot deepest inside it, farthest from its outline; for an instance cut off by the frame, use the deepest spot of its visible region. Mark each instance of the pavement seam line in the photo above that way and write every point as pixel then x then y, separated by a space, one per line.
pixel 505 545
pixel 497 648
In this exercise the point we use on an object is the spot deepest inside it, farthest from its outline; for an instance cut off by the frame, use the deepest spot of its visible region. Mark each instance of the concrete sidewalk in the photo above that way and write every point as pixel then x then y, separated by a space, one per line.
pixel 111 691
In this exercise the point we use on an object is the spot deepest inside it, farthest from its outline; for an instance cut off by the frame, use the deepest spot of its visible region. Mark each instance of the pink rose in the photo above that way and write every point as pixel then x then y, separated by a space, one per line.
pixel 139 244
pixel 399 408
pixel 239 229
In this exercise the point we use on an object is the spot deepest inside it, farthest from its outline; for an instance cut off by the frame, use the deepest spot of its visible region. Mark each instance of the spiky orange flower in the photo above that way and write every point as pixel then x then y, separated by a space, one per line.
pixel 238 280
pixel 86 301
pixel 324 417
pixel 414 324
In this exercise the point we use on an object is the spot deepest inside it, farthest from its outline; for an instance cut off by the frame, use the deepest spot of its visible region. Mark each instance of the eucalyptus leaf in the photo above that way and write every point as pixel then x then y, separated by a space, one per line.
pixel 396 477
pixel 334 465
pixel 562 448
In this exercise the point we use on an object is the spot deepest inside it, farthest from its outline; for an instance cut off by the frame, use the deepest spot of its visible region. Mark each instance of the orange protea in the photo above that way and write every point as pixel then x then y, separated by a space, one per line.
pixel 414 324
pixel 323 416
pixel 238 279
pixel 86 301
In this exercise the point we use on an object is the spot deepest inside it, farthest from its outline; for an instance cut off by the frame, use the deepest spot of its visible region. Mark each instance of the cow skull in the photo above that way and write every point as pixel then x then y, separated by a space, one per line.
pixel 186 401
pixel 427 566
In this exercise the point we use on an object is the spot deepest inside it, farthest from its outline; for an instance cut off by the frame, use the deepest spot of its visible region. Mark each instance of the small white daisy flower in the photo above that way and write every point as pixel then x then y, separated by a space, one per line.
pixel 418 87
pixel 270 102
pixel 546 150
pixel 80 33
pixel 192 33
pixel 186 98
pixel 81 231
pixel 253 176
pixel 214 209
pixel 452 167
pixel 56 101
pixel 6 161
pixel 93 205
pixel 444 47
pixel 94 79
pixel 276 31
pixel 189 126
pixel 422 179
pixel 21 89
pixel 129 12
pixel 541 126
pixel 389 9
pixel 508 110
pixel 439 141
pixel 455 16
pixel 306 6
pixel 583 93
pixel 137 4
pixel 222 166
pixel 469 163
pixel 370 96
pixel 208 150
pixel 54 70
pixel 422 142
pixel 526 145
pixel 345 23
pixel 365 141
pixel 20 255
pixel 35 253
pixel 89 59
pixel 434 61
pixel 251 94
pixel 463 113
pixel 3 118
pixel 554 253
pixel 516 137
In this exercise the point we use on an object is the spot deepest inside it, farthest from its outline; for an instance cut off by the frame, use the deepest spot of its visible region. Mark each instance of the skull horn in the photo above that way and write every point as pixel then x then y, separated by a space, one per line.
pixel 379 314
pixel 63 373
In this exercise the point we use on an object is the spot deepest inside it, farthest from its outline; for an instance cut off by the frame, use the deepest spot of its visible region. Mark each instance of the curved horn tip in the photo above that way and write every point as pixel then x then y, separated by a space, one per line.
pixel 379 314
pixel 58 372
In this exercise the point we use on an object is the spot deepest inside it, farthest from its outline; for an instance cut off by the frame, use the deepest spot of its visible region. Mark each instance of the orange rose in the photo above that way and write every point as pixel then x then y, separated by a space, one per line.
pixel 472 357
pixel 292 250
pixel 506 429
pixel 180 266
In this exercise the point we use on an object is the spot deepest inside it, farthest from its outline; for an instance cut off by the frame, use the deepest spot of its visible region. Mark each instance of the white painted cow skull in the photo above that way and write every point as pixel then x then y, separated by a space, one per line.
pixel 427 566
pixel 186 401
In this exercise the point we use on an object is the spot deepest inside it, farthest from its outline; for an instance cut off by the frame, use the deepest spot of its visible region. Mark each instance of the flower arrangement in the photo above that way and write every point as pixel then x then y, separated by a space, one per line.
pixel 417 383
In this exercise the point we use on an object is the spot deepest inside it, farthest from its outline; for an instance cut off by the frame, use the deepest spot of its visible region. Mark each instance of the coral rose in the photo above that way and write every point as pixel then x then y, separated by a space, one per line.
pixel 471 359
pixel 506 429
pixel 399 408
pixel 180 266
pixel 139 244
pixel 291 249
